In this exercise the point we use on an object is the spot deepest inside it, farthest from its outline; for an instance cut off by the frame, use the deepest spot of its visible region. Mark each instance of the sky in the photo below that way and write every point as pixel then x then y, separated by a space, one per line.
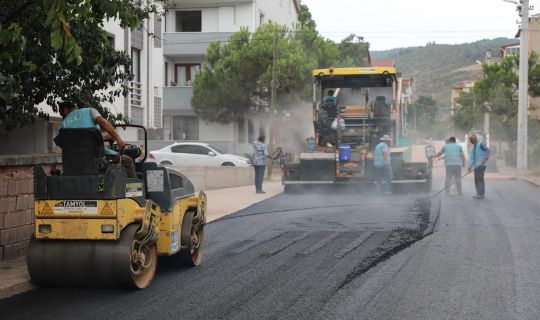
pixel 388 24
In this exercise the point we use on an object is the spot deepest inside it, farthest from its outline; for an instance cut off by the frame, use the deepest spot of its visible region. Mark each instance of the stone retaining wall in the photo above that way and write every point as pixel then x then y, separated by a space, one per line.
pixel 17 205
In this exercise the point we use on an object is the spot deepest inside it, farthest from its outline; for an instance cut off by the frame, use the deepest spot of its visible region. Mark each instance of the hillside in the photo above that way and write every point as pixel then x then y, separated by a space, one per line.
pixel 437 67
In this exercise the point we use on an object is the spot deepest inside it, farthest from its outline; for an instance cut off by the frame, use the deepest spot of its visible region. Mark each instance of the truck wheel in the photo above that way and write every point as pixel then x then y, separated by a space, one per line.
pixel 192 241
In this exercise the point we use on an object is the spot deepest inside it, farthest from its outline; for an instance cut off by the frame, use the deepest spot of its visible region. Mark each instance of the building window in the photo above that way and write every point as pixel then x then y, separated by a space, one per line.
pixel 262 129
pixel 157 112
pixel 135 89
pixel 111 39
pixel 136 64
pixel 157 31
pixel 137 115
pixel 261 18
pixel 241 131
pixel 137 38
pixel 185 128
pixel 166 74
pixel 184 74
pixel 189 21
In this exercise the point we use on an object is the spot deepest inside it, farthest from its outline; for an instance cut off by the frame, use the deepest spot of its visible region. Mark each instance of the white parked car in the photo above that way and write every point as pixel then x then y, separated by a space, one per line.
pixel 195 154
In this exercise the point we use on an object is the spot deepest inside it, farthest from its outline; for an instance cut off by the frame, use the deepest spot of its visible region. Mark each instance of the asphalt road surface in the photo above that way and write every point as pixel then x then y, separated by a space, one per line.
pixel 328 256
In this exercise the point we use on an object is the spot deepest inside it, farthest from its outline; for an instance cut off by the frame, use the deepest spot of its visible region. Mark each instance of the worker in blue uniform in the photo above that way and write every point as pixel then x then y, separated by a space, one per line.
pixel 478 158
pixel 80 118
pixel 454 159
pixel 382 163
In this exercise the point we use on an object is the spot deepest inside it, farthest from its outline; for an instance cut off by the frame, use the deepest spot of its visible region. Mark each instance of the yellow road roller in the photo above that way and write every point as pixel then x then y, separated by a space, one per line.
pixel 94 226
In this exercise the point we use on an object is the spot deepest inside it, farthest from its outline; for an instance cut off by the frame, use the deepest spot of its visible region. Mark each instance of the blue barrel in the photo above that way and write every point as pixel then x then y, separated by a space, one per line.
pixel 344 152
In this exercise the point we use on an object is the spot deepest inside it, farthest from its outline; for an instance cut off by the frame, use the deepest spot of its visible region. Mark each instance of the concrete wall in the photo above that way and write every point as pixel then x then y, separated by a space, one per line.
pixel 32 139
pixel 244 16
pixel 113 27
pixel 278 11
pixel 208 178
pixel 215 131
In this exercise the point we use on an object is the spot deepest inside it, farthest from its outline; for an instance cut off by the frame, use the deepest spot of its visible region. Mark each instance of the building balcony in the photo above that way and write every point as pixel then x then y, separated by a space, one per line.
pixel 177 100
pixel 189 4
pixel 190 43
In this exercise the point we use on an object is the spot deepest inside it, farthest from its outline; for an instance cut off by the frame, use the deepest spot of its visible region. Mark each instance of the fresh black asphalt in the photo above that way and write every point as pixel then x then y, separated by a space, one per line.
pixel 286 257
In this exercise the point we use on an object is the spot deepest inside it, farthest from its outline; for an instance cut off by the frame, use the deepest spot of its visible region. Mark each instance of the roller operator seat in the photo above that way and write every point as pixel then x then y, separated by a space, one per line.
pixel 82 151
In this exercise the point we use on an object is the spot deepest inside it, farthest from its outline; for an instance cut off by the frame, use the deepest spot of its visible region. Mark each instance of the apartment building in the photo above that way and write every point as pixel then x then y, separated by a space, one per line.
pixel 462 86
pixel 190 26
pixel 143 105
pixel 144 45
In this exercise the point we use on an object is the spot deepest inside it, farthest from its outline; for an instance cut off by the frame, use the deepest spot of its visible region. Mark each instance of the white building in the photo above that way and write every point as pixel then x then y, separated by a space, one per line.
pixel 143 105
pixel 189 28
pixel 144 45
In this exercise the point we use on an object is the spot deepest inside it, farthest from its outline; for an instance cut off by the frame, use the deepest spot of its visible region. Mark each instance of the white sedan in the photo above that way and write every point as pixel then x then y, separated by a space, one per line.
pixel 195 154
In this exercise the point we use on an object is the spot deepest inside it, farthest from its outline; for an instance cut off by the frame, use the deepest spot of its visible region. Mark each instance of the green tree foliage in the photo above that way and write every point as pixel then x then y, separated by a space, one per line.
pixel 320 52
pixel 426 111
pixel 238 75
pixel 353 51
pixel 437 67
pixel 466 115
pixel 496 93
pixel 53 50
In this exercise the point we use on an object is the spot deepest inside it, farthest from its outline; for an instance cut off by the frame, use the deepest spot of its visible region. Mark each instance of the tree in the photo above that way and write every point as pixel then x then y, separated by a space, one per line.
pixel 425 110
pixel 237 75
pixel 53 50
pixel 497 90
pixel 353 51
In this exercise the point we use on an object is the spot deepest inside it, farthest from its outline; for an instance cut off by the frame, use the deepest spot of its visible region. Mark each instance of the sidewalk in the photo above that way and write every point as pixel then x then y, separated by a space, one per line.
pixel 222 202
pixel 14 278
pixel 524 175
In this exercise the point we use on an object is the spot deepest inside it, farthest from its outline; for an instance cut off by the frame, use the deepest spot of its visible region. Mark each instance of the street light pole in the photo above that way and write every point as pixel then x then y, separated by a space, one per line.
pixel 523 87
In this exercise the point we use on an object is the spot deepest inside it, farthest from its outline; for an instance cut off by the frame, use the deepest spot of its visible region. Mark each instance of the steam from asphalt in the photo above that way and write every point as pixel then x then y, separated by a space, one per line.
pixel 296 126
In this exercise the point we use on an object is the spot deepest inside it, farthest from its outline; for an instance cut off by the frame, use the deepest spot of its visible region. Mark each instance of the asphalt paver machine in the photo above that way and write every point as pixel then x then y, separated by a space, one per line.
pixel 352 108
pixel 94 226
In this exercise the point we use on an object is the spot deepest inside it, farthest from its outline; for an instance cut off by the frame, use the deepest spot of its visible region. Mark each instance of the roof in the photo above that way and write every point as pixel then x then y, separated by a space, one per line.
pixel 383 63
pixel 407 82
pixel 510 45
pixel 353 71
pixel 462 84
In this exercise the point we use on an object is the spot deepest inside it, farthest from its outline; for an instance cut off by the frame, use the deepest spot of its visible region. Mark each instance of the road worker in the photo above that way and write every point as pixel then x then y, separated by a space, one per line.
pixel 478 158
pixel 382 163
pixel 454 159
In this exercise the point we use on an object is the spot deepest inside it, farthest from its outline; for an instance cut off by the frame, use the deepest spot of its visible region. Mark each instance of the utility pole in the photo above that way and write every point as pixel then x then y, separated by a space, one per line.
pixel 274 85
pixel 414 118
pixel 523 99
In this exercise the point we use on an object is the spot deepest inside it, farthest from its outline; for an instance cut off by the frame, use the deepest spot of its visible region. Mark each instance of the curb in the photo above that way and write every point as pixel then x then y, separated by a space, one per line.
pixel 16 288
pixel 234 214
pixel 528 181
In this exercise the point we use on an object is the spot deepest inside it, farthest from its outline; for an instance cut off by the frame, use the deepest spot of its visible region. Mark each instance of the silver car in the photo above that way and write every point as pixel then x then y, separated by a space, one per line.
pixel 195 154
